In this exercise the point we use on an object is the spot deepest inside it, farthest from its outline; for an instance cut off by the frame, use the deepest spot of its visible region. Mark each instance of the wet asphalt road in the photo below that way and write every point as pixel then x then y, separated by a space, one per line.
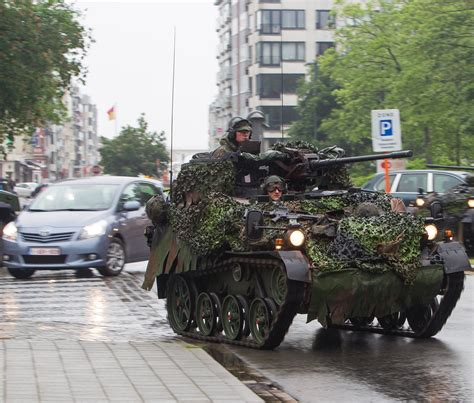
pixel 312 364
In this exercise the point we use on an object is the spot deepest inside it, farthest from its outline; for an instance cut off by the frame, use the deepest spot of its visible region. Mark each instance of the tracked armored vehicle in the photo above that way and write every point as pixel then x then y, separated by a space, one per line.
pixel 236 267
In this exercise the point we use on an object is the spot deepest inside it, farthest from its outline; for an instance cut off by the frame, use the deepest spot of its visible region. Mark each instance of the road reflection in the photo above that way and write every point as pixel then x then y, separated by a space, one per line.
pixel 331 365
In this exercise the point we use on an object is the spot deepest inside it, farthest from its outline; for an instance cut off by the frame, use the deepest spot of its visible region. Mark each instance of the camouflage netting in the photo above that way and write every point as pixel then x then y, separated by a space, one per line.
pixel 212 224
pixel 198 179
pixel 377 244
pixel 356 230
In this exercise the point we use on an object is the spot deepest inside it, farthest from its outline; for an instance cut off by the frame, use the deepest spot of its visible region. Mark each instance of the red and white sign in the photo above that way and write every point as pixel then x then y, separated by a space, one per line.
pixel 393 165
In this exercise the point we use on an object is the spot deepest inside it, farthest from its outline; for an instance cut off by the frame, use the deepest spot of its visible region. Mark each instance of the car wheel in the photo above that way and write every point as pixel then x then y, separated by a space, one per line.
pixel 115 259
pixel 21 273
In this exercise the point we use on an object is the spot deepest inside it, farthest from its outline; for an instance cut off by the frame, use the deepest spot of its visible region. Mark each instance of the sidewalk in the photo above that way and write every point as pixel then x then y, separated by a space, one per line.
pixel 85 371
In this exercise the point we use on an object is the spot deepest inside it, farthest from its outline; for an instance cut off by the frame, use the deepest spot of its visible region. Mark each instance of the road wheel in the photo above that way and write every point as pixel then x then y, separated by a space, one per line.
pixel 179 303
pixel 232 317
pixel 260 320
pixel 115 258
pixel 206 314
pixel 21 273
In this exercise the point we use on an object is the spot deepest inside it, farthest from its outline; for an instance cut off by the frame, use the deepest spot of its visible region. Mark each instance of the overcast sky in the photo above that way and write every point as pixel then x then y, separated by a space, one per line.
pixel 131 64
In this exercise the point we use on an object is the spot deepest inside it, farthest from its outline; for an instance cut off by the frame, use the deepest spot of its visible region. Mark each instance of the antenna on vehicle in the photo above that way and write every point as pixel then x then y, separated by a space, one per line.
pixel 172 115
pixel 281 81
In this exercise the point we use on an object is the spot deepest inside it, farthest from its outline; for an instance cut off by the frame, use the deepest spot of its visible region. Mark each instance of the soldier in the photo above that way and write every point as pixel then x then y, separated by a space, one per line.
pixel 239 130
pixel 274 186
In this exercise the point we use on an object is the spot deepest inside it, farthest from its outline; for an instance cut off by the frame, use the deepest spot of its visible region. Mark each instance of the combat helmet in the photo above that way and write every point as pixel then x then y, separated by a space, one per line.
pixel 271 181
pixel 238 123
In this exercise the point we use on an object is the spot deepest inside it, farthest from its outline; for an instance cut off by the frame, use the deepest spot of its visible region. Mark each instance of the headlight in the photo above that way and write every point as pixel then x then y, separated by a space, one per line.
pixel 296 238
pixel 93 230
pixel 420 201
pixel 470 202
pixel 10 231
pixel 432 231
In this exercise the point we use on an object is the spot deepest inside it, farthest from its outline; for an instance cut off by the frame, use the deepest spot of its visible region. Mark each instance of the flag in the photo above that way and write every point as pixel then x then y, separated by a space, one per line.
pixel 111 113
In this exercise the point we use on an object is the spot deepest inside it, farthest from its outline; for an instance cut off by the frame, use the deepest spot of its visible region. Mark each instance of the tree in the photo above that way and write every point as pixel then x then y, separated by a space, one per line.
pixel 42 46
pixel 316 102
pixel 412 55
pixel 134 151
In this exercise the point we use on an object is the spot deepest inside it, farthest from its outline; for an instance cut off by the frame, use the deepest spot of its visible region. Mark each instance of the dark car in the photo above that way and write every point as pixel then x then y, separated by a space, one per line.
pixel 78 224
pixel 456 208
pixel 406 184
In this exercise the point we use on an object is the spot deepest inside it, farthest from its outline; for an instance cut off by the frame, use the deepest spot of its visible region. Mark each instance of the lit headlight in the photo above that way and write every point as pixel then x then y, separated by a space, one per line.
pixel 432 231
pixel 296 238
pixel 93 230
pixel 10 231
pixel 420 201
pixel 470 202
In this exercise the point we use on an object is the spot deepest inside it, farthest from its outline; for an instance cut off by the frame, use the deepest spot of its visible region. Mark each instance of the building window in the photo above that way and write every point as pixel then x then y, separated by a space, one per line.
pixel 293 51
pixel 268 21
pixel 324 20
pixel 273 21
pixel 269 85
pixel 293 19
pixel 268 53
pixel 274 115
pixel 321 47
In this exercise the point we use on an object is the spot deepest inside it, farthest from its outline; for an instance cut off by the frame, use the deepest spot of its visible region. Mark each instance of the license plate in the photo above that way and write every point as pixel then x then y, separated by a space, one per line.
pixel 45 251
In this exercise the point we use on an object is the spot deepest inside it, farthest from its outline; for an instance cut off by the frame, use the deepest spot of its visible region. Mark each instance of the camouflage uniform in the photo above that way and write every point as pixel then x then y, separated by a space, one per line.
pixel 226 146
pixel 228 143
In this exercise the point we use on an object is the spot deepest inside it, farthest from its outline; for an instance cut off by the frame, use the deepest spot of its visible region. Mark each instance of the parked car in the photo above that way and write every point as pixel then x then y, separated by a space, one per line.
pixel 25 189
pixel 407 184
pixel 77 224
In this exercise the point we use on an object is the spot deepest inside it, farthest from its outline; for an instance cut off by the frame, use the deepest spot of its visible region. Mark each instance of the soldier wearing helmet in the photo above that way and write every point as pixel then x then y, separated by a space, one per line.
pixel 239 131
pixel 274 187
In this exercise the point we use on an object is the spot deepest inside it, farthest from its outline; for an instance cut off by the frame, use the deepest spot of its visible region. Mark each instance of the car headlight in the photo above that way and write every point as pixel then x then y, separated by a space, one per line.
pixel 470 202
pixel 10 231
pixel 432 231
pixel 420 201
pixel 93 230
pixel 296 238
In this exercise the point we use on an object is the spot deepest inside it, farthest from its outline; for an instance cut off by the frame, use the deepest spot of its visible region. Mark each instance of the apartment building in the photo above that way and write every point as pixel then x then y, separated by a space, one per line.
pixel 58 151
pixel 265 48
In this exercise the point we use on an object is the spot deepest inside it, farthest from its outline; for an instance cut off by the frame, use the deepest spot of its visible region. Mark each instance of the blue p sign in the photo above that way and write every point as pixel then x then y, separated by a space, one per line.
pixel 386 127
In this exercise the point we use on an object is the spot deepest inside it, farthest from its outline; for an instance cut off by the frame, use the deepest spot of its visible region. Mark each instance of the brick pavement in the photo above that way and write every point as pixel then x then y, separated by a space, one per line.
pixel 95 371
pixel 68 339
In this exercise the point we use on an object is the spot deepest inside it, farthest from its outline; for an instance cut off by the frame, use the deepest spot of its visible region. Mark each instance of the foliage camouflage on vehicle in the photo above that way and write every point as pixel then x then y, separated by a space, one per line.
pixel 199 179
pixel 235 266
pixel 341 239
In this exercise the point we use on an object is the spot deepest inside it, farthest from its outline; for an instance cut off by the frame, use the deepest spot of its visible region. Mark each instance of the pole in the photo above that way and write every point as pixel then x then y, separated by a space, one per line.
pixel 281 79
pixel 172 114
pixel 115 120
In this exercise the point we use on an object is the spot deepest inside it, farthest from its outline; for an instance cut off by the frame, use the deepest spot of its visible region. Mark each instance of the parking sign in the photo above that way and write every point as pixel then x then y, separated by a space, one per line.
pixel 386 133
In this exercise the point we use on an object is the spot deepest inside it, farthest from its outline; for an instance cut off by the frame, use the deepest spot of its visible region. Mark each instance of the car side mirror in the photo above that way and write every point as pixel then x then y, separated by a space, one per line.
pixel 132 205
pixel 253 222
pixel 436 210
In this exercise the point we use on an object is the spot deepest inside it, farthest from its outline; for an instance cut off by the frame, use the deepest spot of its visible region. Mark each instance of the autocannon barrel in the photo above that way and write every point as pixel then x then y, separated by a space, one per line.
pixel 361 158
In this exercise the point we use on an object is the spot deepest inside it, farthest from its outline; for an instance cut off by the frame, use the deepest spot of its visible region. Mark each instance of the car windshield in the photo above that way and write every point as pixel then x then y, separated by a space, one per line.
pixel 75 197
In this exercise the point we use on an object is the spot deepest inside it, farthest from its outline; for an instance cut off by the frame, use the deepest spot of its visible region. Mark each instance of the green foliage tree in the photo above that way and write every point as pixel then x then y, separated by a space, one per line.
pixel 316 103
pixel 134 151
pixel 412 55
pixel 42 46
